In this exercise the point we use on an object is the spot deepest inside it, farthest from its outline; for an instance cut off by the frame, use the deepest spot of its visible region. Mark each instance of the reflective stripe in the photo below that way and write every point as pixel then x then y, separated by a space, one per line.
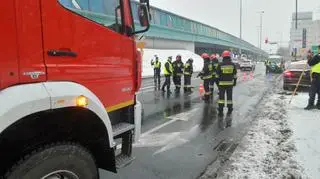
pixel 207 93
pixel 220 101
pixel 178 85
pixel 119 106
pixel 187 86
pixel 227 69
pixel 207 77
pixel 179 74
pixel 226 83
pixel 229 102
pixel 187 73
pixel 210 66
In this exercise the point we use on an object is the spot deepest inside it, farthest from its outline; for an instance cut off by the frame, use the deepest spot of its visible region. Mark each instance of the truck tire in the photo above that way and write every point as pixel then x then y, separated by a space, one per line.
pixel 58 160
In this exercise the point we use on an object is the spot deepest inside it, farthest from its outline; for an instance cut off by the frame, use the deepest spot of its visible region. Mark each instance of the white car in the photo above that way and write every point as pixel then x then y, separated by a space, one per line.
pixel 247 65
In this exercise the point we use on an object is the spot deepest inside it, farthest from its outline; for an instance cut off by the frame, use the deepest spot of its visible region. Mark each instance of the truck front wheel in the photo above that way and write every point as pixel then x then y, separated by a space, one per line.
pixel 56 161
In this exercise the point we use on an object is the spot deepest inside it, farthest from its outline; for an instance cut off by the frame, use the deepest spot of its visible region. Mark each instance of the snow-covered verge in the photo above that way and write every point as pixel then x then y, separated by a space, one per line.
pixel 267 150
pixel 148 55
pixel 306 134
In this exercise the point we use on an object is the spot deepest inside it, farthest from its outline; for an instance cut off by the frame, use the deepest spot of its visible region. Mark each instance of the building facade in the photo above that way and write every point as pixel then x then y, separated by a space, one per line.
pixel 312 35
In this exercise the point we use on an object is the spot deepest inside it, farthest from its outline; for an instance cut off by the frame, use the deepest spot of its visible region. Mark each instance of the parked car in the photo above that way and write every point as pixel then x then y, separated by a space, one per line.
pixel 247 65
pixel 275 68
pixel 237 63
pixel 292 74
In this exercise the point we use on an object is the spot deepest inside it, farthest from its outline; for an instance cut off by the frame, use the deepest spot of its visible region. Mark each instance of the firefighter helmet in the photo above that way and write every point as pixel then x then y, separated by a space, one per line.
pixel 213 56
pixel 226 54
pixel 205 56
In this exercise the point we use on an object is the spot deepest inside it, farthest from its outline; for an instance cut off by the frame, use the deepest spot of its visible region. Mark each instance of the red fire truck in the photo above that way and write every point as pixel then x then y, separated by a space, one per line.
pixel 69 71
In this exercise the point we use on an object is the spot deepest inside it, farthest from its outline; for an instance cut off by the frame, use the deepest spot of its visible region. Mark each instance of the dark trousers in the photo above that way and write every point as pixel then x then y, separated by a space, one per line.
pixel 166 83
pixel 267 69
pixel 314 89
pixel 187 83
pixel 206 86
pixel 222 91
pixel 212 82
pixel 157 78
pixel 177 82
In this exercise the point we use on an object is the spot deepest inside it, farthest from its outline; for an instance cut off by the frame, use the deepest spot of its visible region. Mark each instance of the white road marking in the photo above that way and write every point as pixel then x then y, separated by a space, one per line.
pixel 179 140
pixel 147 139
pixel 184 116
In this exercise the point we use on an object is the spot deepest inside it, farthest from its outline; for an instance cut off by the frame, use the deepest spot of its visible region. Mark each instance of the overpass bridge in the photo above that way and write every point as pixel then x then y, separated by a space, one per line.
pixel 169 30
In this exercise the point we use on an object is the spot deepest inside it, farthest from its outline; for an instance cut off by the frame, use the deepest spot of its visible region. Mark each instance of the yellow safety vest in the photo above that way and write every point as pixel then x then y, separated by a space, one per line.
pixel 165 69
pixel 315 68
pixel 185 69
pixel 157 64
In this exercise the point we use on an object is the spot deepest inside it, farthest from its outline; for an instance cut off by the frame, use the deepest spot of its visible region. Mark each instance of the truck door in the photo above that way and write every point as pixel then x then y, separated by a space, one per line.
pixel 8 45
pixel 83 41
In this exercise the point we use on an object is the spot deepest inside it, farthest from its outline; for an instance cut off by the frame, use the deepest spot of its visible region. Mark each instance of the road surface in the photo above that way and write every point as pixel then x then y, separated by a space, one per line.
pixel 182 135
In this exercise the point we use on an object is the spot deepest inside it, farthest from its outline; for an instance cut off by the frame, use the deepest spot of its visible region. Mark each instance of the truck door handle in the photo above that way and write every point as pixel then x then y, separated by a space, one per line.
pixel 61 53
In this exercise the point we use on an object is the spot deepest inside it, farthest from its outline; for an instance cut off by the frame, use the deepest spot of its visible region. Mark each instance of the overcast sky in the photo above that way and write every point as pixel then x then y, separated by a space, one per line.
pixel 224 15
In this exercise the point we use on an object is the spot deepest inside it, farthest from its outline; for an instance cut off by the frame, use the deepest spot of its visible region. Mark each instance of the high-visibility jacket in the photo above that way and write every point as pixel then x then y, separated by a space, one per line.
pixel 156 64
pixel 314 63
pixel 215 64
pixel 206 72
pixel 188 68
pixel 226 73
pixel 315 68
pixel 168 69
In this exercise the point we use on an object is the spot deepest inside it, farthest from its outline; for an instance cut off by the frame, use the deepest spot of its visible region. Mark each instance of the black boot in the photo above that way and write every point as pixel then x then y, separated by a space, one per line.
pixel 229 111
pixel 220 112
pixel 162 89
pixel 309 107
pixel 318 106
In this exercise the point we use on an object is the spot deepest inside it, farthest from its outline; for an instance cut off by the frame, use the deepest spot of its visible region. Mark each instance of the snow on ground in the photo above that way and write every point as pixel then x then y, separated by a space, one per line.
pixel 266 151
pixel 306 134
pixel 163 55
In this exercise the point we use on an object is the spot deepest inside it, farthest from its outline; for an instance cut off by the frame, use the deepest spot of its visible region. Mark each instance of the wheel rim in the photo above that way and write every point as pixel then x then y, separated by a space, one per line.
pixel 61 174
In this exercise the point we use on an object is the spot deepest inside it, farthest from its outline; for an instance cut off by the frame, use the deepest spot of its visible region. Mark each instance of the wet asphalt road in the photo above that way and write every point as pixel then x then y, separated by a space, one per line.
pixel 182 135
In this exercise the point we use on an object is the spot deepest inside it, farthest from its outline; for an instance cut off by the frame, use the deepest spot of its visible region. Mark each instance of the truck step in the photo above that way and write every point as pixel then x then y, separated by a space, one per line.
pixel 121 128
pixel 123 160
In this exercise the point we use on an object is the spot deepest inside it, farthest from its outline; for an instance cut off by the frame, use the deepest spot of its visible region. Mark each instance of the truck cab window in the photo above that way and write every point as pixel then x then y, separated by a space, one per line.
pixel 104 12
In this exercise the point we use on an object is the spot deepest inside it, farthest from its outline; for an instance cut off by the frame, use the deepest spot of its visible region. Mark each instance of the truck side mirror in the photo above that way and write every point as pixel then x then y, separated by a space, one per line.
pixel 143 15
pixel 144 19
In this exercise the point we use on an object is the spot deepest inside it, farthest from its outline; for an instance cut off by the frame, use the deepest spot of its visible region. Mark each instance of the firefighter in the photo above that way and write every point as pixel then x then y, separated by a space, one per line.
pixel 167 70
pixel 314 63
pixel 157 70
pixel 227 79
pixel 206 75
pixel 188 70
pixel 177 72
pixel 214 61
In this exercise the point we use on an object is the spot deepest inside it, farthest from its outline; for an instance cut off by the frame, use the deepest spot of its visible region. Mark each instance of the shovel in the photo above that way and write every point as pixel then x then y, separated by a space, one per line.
pixel 297 86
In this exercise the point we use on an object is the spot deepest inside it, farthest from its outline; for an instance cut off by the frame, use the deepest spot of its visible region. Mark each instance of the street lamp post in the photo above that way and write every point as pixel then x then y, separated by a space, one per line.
pixel 240 26
pixel 260 43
